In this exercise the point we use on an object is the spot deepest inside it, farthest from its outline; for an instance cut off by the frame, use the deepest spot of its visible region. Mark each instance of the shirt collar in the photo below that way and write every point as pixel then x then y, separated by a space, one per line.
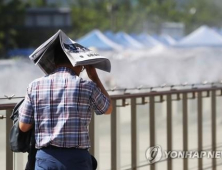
pixel 65 69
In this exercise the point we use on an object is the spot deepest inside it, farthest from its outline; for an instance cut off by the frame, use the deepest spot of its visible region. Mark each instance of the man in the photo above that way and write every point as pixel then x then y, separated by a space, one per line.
pixel 60 105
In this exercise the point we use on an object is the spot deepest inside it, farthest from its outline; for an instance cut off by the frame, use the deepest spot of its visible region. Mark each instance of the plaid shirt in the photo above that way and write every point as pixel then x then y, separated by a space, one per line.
pixel 61 105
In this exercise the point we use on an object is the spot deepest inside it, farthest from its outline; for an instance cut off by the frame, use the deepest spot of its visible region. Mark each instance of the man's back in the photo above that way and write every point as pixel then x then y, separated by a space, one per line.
pixel 62 104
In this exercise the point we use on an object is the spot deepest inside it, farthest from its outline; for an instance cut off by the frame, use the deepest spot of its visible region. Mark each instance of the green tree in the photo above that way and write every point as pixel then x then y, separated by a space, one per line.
pixel 115 15
pixel 202 12
pixel 11 16
pixel 122 15
pixel 149 11
pixel 88 17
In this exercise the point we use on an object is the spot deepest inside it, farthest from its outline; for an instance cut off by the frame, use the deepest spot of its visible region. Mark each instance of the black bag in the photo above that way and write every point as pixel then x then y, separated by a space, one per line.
pixel 19 141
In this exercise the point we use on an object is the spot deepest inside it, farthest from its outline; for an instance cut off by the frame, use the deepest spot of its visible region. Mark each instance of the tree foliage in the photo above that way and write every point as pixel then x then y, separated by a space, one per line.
pixel 11 16
pixel 86 17
pixel 134 17
pixel 115 15
pixel 204 13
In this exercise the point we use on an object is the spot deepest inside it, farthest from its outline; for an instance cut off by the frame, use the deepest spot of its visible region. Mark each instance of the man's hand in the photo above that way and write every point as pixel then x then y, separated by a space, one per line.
pixel 91 72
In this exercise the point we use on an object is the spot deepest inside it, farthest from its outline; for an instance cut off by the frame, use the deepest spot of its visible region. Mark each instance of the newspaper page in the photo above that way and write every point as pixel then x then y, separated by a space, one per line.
pixel 79 55
pixel 36 55
pixel 43 56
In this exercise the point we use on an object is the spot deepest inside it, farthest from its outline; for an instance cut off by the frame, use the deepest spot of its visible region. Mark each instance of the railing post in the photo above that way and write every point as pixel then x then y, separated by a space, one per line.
pixel 185 130
pixel 200 134
pixel 9 153
pixel 213 124
pixel 169 130
pixel 152 126
pixel 115 155
pixel 133 134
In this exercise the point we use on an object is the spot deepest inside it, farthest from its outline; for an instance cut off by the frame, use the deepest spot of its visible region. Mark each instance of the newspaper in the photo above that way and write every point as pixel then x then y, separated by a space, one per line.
pixel 43 56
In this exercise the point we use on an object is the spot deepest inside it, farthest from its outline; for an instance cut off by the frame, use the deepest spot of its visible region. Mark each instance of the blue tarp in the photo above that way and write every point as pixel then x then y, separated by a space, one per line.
pixel 98 40
pixel 110 35
pixel 20 52
pixel 124 40
pixel 146 40
pixel 165 39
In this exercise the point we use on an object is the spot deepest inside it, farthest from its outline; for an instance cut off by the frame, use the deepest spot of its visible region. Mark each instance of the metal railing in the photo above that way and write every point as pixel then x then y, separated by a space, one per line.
pixel 150 99
pixel 9 153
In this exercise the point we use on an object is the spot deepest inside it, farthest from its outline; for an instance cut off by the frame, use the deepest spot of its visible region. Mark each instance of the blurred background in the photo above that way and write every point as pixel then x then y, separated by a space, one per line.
pixel 173 36
pixel 153 45
pixel 26 24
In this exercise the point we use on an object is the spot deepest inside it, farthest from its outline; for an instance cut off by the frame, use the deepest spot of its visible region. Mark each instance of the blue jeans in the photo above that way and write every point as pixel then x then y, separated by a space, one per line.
pixel 52 158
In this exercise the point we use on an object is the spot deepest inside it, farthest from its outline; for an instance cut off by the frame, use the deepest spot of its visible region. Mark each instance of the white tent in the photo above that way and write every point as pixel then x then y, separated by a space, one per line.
pixel 203 36
pixel 97 40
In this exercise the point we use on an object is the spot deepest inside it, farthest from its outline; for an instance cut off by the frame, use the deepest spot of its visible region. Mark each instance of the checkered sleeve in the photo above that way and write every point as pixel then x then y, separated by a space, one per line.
pixel 26 113
pixel 99 101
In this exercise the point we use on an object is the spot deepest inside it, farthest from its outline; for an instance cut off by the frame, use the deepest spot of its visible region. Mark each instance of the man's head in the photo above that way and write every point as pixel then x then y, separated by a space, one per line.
pixel 60 57
pixel 62 60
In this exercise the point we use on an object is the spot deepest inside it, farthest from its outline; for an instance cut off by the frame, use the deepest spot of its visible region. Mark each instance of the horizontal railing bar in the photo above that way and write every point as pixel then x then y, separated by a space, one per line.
pixel 157 93
pixel 10 98
pixel 151 88
pixel 2 117
pixel 141 87
pixel 7 106
pixel 134 95
pixel 146 94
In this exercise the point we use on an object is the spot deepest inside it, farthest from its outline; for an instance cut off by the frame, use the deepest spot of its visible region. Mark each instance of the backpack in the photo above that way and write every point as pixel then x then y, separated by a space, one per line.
pixel 19 141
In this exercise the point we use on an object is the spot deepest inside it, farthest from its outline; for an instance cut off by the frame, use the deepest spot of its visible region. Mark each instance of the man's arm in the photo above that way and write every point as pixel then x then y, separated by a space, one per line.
pixel 92 74
pixel 26 116
pixel 24 127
